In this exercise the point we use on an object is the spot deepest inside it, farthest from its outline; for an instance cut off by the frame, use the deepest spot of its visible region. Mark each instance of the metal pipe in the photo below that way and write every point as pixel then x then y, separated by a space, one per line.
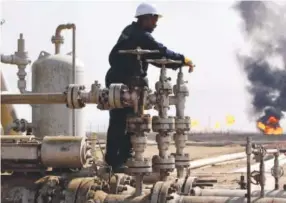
pixel 58 40
pixel 276 170
pixel 127 199
pixel 34 98
pixel 214 160
pixel 235 193
pixel 154 177
pixel 112 198
pixel 73 71
pixel 9 128
pixel 248 162
pixel 212 199
pixel 262 173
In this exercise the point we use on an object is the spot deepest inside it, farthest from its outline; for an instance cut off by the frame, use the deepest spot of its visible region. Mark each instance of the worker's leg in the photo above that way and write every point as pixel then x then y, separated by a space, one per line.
pixel 125 149
pixel 115 136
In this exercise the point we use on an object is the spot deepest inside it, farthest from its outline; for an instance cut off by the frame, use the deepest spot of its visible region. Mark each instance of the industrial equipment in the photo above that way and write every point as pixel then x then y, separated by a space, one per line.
pixel 56 164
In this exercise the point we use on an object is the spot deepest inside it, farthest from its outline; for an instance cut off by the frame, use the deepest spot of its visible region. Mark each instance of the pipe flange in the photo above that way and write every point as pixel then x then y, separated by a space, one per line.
pixel 57 39
pixel 163 163
pixel 162 191
pixel 74 100
pixel 182 160
pixel 163 124
pixel 139 167
pixel 115 95
pixel 183 124
pixel 139 124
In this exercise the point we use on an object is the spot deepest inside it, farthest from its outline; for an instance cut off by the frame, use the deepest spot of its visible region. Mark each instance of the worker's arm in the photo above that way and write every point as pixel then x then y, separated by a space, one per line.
pixel 150 43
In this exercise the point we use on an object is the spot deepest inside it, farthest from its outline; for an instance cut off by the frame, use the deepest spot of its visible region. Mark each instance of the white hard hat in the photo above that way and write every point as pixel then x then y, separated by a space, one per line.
pixel 145 9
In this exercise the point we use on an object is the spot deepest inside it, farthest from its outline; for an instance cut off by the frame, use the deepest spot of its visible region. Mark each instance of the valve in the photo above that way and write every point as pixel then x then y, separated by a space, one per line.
pixel 255 177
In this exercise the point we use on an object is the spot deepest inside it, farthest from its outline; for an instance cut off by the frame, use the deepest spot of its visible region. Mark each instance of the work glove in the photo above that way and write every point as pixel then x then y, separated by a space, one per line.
pixel 188 62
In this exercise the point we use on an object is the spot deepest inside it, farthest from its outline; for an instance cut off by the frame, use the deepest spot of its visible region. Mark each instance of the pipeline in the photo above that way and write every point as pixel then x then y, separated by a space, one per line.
pixel 201 163
pixel 236 193
pixel 34 98
pixel 58 40
pixel 180 199
pixel 219 159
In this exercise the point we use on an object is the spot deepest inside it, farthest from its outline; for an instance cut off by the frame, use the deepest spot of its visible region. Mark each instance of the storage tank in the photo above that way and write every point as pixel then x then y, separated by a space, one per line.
pixel 53 73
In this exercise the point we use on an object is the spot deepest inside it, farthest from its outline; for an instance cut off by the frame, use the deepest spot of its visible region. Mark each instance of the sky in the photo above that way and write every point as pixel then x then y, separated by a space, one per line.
pixel 208 32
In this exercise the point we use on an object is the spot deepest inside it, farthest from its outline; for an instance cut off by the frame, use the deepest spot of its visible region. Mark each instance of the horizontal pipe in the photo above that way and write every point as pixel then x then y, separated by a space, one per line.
pixel 111 198
pixel 34 98
pixel 214 160
pixel 214 199
pixel 154 177
pixel 235 193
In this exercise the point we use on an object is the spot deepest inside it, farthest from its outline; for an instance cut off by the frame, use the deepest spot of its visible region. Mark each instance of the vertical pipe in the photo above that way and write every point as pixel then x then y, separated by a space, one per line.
pixel 58 40
pixel 248 157
pixel 138 184
pixel 276 170
pixel 73 72
pixel 262 174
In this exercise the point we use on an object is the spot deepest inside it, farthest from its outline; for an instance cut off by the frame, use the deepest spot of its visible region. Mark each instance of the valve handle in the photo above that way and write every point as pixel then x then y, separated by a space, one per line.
pixel 138 51
pixel 255 177
pixel 163 61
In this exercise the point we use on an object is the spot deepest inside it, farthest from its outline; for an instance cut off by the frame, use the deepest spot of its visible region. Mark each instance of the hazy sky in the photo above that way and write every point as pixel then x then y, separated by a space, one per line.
pixel 209 32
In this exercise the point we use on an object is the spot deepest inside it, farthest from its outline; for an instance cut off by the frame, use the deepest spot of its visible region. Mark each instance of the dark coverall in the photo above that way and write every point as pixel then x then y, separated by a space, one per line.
pixel 123 68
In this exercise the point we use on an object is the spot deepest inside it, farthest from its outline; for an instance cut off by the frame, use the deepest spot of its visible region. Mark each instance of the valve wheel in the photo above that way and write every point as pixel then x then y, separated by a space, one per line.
pixel 255 177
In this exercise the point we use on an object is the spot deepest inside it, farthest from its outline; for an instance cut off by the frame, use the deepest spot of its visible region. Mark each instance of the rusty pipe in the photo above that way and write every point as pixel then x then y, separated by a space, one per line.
pixel 33 98
pixel 235 193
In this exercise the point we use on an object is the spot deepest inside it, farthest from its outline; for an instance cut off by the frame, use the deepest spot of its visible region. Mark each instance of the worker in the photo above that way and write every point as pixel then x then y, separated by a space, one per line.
pixel 124 68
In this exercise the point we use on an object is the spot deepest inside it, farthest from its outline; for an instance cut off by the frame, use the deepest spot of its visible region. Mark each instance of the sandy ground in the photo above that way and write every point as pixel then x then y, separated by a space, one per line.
pixel 218 171
pixel 197 152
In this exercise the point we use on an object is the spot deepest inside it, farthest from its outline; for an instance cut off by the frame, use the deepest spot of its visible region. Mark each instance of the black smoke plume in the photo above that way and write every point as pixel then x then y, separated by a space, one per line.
pixel 265 34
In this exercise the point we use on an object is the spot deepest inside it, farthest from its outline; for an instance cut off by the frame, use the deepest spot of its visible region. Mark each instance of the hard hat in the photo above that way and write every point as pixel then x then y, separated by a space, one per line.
pixel 145 9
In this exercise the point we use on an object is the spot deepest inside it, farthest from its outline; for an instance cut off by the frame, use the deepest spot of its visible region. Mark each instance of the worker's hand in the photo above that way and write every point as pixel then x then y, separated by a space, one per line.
pixel 188 62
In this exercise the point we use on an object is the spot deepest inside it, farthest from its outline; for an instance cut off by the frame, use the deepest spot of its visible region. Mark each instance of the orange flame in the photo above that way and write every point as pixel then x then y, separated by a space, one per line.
pixel 270 127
